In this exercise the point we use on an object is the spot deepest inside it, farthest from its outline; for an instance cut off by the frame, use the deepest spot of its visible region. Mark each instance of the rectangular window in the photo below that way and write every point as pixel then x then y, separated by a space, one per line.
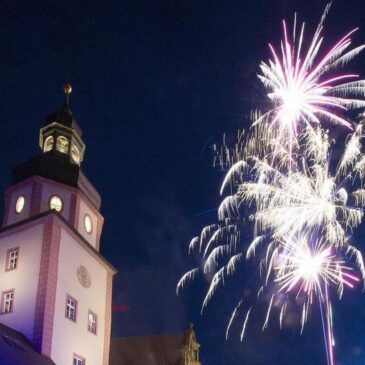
pixel 92 319
pixel 7 301
pixel 78 360
pixel 12 259
pixel 71 308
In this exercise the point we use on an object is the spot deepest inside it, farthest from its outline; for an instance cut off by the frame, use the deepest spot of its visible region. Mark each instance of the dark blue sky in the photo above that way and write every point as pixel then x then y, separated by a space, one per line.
pixel 156 83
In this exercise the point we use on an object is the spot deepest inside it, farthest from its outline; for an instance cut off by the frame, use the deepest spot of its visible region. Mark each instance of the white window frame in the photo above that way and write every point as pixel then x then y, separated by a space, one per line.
pixel 7 301
pixel 78 360
pixel 71 308
pixel 92 324
pixel 12 259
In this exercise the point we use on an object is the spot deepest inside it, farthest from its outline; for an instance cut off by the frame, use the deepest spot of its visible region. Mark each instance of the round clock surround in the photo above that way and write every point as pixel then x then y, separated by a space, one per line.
pixel 83 276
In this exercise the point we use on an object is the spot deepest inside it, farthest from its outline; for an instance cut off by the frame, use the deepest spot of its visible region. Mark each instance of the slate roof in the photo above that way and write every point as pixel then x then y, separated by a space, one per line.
pixel 65 117
pixel 16 349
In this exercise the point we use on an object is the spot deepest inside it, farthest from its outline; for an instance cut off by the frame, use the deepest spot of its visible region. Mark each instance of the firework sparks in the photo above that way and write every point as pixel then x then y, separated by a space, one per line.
pixel 302 217
pixel 309 196
pixel 301 87
pixel 280 177
pixel 308 267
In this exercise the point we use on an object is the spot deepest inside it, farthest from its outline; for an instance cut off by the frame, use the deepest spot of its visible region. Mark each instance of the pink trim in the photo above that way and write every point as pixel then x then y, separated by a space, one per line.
pixel 8 257
pixel 77 212
pixel 24 226
pixel 47 284
pixel 99 228
pixel 108 317
pixel 70 231
pixel 35 198
pixel 72 210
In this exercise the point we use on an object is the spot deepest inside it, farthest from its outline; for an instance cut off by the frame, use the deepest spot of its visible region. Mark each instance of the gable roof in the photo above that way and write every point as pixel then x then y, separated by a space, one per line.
pixel 16 349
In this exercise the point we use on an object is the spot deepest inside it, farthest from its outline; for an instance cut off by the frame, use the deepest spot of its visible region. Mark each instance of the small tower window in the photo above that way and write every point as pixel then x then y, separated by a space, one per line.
pixel 48 144
pixel 19 205
pixel 88 224
pixel 62 144
pixel 56 203
pixel 12 259
pixel 7 301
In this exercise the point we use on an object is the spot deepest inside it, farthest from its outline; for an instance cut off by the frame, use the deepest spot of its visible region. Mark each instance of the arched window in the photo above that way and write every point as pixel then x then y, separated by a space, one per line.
pixel 75 154
pixel 62 144
pixel 48 144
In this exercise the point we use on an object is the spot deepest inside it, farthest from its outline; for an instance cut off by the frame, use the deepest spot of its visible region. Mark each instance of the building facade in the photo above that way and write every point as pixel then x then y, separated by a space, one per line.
pixel 55 286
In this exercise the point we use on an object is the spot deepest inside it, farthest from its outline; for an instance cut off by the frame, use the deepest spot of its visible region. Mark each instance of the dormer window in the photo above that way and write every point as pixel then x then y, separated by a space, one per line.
pixel 62 144
pixel 48 144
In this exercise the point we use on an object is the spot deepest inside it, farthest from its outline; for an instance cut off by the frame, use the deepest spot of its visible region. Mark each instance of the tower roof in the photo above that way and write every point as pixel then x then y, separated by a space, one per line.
pixel 16 349
pixel 64 115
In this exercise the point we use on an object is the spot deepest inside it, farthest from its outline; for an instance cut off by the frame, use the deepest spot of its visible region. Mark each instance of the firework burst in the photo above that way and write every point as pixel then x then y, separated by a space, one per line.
pixel 301 86
pixel 281 178
pixel 302 219
pixel 309 196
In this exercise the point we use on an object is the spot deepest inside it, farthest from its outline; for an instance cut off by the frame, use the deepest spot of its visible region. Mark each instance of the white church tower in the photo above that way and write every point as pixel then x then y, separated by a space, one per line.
pixel 55 286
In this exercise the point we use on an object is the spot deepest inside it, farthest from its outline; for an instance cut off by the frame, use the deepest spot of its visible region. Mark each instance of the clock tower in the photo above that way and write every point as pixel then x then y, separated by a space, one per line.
pixel 55 286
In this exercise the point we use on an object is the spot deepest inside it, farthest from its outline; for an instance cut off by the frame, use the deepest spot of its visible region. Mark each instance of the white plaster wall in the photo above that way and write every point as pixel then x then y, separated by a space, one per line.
pixel 24 279
pixel 90 237
pixel 25 190
pixel 70 337
pixel 49 189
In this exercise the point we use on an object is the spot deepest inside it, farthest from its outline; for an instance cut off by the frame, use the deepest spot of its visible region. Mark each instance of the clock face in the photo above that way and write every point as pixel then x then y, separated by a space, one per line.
pixel 83 276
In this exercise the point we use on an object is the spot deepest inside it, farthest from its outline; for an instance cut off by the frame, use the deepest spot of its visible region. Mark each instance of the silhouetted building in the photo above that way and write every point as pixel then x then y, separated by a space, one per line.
pixel 174 349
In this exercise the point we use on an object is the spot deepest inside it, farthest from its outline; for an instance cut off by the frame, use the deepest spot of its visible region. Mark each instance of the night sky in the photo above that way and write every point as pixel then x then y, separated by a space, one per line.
pixel 156 84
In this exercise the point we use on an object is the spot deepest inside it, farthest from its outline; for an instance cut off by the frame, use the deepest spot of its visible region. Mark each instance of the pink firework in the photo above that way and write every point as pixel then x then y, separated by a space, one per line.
pixel 302 87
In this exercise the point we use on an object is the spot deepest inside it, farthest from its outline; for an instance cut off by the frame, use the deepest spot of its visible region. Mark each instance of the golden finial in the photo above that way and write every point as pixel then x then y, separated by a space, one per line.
pixel 67 89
